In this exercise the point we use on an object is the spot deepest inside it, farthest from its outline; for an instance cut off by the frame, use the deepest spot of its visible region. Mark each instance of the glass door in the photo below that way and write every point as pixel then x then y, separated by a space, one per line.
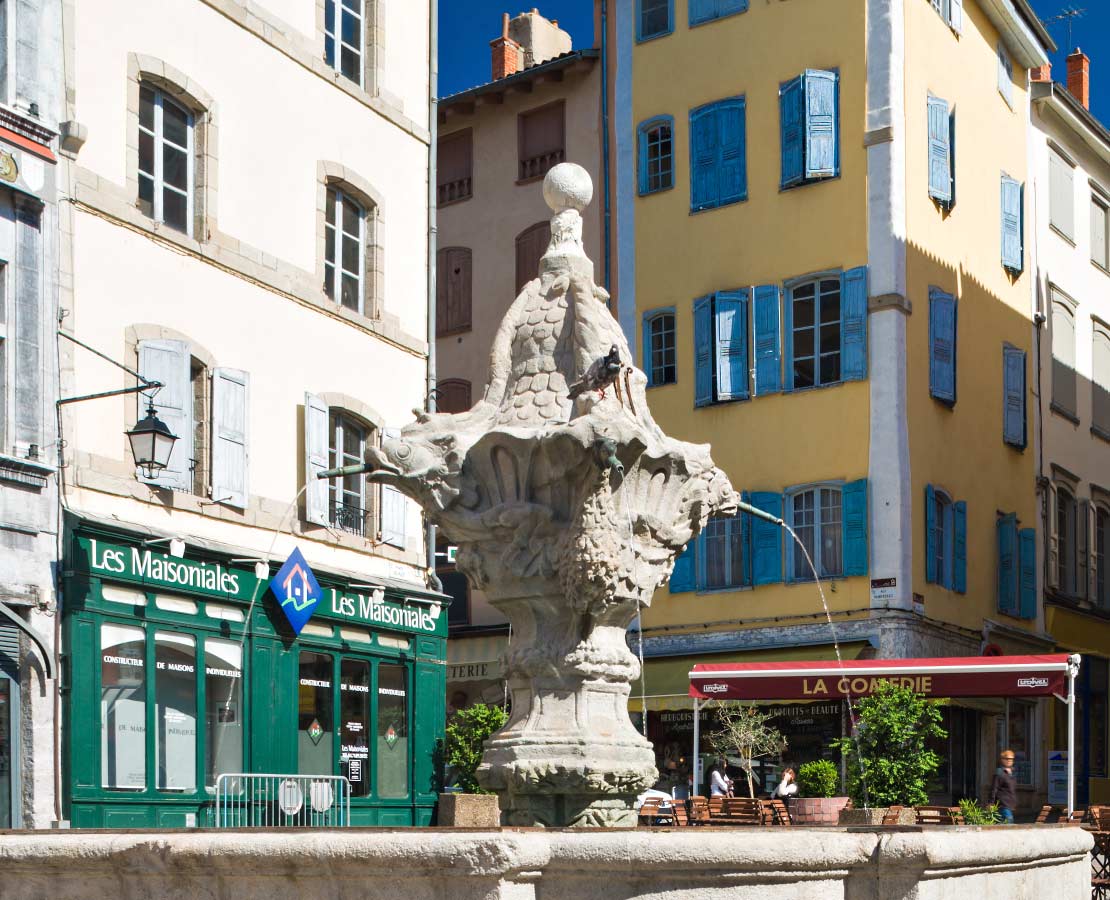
pixel 6 752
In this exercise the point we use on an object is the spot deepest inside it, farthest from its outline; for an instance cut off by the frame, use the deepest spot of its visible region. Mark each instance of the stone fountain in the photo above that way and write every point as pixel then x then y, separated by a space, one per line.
pixel 568 505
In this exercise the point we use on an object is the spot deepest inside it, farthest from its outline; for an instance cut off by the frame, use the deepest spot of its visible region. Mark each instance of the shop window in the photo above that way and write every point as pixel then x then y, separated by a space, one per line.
pixel 347 496
pixel 454 167
pixel 453 290
pixel 531 244
pixel 315 715
pixel 1019 736
pixel 815 516
pixel 1063 356
pixel 175 711
pixel 223 700
pixel 541 140
pixel 392 732
pixel 354 717
pixel 1096 719
pixel 165 160
pixel 344 240
pixel 660 358
pixel 122 707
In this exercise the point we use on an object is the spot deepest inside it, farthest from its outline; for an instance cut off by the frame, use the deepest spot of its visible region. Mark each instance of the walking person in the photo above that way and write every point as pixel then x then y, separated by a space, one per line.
pixel 1004 787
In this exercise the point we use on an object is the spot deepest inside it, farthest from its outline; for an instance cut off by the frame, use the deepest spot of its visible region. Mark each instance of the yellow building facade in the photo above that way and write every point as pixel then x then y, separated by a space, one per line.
pixel 824 264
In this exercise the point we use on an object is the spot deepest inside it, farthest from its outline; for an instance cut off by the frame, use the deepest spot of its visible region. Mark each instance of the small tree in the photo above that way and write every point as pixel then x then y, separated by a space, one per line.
pixel 819 778
pixel 889 760
pixel 467 731
pixel 744 732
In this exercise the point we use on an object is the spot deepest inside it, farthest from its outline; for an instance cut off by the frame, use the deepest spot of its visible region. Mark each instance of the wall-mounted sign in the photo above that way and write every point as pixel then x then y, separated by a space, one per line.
pixel 9 169
pixel 374 609
pixel 883 591
pixel 297 590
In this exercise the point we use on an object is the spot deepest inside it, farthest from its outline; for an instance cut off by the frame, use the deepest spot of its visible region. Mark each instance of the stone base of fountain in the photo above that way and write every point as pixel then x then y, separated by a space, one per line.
pixel 937 863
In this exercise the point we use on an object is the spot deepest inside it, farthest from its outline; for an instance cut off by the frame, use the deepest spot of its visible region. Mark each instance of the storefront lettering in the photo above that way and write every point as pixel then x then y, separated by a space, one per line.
pixel 372 608
pixel 147 565
pixel 123 661
pixel 859 687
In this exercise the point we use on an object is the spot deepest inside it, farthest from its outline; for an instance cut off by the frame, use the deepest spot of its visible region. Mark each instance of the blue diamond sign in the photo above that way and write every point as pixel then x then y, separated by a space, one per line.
pixel 297 590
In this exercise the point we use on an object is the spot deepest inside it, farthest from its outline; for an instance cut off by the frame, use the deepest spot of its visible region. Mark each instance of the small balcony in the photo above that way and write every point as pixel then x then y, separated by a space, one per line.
pixel 348 518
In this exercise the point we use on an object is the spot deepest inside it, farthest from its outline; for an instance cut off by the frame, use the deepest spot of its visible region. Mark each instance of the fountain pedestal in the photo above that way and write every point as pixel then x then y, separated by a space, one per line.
pixel 568 505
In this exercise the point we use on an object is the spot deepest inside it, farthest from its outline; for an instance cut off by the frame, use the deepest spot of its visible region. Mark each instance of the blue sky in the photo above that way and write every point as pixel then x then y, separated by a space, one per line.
pixel 467 27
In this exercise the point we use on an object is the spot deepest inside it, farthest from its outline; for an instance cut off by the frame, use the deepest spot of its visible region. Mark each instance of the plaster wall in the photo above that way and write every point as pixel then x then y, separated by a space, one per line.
pixel 960 449
pixel 1016 863
pixel 772 236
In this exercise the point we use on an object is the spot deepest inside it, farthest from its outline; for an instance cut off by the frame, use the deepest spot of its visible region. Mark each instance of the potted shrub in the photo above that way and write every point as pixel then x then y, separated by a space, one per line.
pixel 817 801
pixel 466 803
pixel 888 757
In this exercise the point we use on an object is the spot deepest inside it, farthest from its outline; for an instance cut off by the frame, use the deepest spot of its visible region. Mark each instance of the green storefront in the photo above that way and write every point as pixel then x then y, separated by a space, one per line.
pixel 178 670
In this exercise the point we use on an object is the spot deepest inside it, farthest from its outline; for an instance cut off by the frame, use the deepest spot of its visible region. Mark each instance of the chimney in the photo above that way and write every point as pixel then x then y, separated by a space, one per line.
pixel 1041 73
pixel 508 58
pixel 539 39
pixel 1079 77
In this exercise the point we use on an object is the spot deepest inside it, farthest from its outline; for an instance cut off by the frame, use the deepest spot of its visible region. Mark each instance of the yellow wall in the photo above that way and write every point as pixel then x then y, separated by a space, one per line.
pixel 776 441
pixel 961 449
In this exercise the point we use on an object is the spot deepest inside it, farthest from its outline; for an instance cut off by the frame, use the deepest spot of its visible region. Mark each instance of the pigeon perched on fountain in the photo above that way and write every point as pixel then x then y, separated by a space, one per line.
pixel 601 373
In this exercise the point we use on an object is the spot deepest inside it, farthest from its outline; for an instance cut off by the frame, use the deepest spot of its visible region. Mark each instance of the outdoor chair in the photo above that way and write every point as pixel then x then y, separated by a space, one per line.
pixel 681 816
pixel 892 815
pixel 776 812
pixel 699 810
pixel 651 814
pixel 1099 816
pixel 1077 817
pixel 739 811
pixel 716 806
pixel 939 815
pixel 1047 815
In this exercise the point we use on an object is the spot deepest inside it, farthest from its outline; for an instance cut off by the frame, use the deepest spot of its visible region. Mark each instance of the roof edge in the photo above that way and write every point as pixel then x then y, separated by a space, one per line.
pixel 524 75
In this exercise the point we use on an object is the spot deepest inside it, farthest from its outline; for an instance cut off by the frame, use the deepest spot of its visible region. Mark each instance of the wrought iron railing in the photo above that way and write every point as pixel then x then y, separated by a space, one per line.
pixel 257 800
pixel 351 519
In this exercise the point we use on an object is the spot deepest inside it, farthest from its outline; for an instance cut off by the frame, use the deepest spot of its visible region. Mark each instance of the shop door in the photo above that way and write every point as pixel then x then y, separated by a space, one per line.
pixel 963 753
pixel 6 752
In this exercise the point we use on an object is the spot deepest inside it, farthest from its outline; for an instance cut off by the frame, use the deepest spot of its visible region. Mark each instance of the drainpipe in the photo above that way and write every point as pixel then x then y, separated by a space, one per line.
pixel 433 128
pixel 605 134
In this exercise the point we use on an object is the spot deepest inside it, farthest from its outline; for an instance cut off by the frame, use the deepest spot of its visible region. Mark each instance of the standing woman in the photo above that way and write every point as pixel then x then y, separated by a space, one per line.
pixel 719 783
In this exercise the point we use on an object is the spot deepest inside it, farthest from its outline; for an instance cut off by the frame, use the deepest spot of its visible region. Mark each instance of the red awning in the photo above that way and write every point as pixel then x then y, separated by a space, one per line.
pixel 970 676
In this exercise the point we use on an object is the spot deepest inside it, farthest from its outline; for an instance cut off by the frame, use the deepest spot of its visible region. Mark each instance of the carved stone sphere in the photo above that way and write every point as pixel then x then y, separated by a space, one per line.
pixel 568 186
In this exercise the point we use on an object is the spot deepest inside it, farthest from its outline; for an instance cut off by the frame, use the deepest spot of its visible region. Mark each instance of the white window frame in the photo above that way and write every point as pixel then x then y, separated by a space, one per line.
pixel 1067 565
pixel 339 420
pixel 337 271
pixel 673 346
pixel 159 139
pixel 818 526
pixel 792 289
pixel 721 529
pixel 337 41
pixel 1102 203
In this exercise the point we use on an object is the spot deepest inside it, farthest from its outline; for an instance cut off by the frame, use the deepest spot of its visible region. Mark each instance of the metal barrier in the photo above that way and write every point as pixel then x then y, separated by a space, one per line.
pixel 256 800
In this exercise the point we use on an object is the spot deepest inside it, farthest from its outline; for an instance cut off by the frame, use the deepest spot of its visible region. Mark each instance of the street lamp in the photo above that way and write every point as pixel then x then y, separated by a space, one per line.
pixel 151 443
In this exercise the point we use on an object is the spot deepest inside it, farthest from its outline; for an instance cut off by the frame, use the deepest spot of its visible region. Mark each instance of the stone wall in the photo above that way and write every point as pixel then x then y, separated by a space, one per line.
pixel 1015 863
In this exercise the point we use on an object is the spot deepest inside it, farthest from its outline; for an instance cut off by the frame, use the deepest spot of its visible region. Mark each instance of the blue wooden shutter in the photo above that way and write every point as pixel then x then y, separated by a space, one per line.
pixel 703 351
pixel 230 433
pixel 645 346
pixel 792 131
pixel 768 363
pixel 952 158
pixel 1013 379
pixel 766 540
pixel 1012 250
pixel 682 576
pixel 853 324
pixel 1007 564
pixel 732 168
pixel 930 534
pixel 1027 557
pixel 642 157
pixel 704 151
pixel 822 152
pixel 959 547
pixel 702 11
pixel 788 340
pixel 728 7
pixel 942 345
pixel 854 508
pixel 940 163
pixel 730 314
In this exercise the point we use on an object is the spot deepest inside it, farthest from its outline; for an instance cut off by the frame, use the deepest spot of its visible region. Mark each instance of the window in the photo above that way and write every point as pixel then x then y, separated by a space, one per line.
pixel 1063 356
pixel 952 12
pixel 809 123
pixel 175 711
pixel 708 10
pixel 165 160
pixel 1102 536
pixel 1100 232
pixel 392 732
pixel 531 244
pixel 1017 568
pixel 344 238
pixel 942 346
pixel 541 140
pixel 815 516
pixel 454 167
pixel 945 540
pixel 223 698
pixel 654 18
pixel 354 714
pixel 825 325
pixel 453 286
pixel 656 149
pixel 718 154
pixel 721 555
pixel 1061 195
pixel 122 707
pixel 457 588
pixel 942 160
pixel 347 496
pixel 1013 387
pixel 1005 76
pixel 315 714
pixel 1020 731
pixel 453 395
pixel 202 411
pixel 1067 549
pixel 343 37
pixel 1013 225
pixel 660 352
pixel 721 347
pixel 1100 389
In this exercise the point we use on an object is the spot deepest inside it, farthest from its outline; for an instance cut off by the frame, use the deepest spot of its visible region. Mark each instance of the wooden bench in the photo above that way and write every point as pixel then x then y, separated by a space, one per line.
pixel 939 815
pixel 699 810
pixel 651 814
pixel 742 811
pixel 893 815
pixel 776 812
